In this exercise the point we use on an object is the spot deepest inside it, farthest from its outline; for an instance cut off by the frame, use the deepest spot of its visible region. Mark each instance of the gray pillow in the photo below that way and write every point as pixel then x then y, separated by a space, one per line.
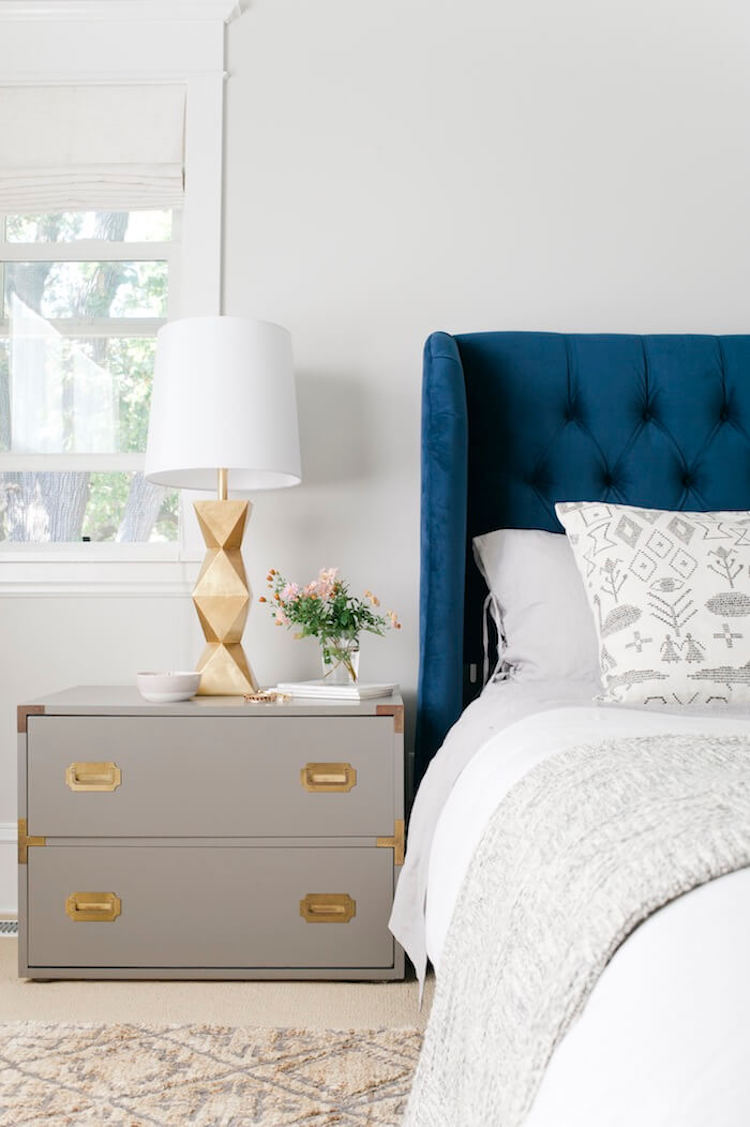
pixel 543 615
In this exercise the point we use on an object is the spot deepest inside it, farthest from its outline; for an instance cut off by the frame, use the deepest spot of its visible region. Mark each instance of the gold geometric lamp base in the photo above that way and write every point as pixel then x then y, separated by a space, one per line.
pixel 222 599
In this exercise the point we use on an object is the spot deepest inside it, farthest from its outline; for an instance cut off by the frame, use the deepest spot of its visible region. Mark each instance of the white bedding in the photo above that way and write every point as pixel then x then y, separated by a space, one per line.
pixel 502 703
pixel 665 1037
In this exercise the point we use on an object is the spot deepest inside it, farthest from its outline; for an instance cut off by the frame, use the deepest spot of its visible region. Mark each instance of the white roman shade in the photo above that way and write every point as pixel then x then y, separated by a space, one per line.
pixel 96 147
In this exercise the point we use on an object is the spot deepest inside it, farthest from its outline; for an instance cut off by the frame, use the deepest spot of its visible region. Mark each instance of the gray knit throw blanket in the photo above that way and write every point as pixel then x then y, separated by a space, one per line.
pixel 578 853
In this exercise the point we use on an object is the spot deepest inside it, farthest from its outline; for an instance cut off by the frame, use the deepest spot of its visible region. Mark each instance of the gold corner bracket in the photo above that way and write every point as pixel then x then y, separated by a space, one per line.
pixel 24 841
pixel 23 712
pixel 397 843
pixel 394 710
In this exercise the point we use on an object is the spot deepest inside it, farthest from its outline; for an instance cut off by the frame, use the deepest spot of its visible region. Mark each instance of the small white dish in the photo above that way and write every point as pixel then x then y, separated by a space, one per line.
pixel 167 688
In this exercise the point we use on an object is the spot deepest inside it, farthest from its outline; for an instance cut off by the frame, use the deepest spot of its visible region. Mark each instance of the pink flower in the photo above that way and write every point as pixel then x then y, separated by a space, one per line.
pixel 290 592
pixel 326 581
pixel 373 598
pixel 281 619
pixel 392 616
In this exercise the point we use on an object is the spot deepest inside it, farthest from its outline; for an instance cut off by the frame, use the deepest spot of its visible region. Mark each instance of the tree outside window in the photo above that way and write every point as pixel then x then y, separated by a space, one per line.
pixel 76 366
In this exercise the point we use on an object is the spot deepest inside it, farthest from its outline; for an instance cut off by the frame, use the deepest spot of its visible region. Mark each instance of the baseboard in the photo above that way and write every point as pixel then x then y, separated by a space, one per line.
pixel 8 869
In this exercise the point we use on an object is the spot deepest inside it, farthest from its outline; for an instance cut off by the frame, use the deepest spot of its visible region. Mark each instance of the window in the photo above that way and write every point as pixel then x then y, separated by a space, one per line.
pixel 91 200
pixel 106 109
pixel 82 296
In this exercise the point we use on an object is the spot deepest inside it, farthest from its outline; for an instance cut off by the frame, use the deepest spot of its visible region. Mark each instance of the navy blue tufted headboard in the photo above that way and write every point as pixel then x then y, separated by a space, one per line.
pixel 513 422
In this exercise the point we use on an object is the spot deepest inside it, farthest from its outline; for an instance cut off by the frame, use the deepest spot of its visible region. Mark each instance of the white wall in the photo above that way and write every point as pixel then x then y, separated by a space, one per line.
pixel 410 165
pixel 400 167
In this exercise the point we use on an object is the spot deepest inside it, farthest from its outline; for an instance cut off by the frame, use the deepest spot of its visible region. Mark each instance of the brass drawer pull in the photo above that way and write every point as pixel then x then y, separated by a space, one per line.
pixel 93 907
pixel 93 776
pixel 327 908
pixel 328 778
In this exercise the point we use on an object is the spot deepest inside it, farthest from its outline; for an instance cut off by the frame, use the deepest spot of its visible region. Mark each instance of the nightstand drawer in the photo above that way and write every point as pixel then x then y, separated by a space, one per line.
pixel 210 907
pixel 282 776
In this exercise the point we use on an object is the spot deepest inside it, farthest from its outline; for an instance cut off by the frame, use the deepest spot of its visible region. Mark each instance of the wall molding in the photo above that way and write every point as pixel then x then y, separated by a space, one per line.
pixel 224 10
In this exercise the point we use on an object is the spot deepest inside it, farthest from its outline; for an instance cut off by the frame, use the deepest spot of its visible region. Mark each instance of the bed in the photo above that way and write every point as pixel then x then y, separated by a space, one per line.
pixel 514 423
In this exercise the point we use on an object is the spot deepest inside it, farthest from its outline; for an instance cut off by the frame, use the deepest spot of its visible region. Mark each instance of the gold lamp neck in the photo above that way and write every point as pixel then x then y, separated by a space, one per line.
pixel 223 475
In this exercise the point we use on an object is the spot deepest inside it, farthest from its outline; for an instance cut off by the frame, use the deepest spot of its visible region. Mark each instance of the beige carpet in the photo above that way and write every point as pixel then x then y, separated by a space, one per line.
pixel 149 1076
pixel 306 1005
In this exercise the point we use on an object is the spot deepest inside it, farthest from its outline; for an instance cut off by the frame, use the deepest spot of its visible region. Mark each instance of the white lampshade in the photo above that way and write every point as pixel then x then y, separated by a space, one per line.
pixel 223 397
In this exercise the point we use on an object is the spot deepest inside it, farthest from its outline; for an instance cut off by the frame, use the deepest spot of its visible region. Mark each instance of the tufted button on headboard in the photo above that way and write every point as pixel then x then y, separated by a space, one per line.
pixel 513 422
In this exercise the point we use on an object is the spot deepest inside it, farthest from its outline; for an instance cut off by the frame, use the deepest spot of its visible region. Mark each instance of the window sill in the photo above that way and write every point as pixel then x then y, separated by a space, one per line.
pixel 91 552
pixel 63 575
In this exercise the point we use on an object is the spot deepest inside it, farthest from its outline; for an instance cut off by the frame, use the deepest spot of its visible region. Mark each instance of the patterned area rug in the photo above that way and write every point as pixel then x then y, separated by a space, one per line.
pixel 202 1075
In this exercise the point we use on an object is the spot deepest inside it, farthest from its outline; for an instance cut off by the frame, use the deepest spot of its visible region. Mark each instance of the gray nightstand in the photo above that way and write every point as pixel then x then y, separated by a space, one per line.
pixel 211 839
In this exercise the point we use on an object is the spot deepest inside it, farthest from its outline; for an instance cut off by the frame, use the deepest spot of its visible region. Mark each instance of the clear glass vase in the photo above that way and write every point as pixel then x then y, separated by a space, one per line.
pixel 340 658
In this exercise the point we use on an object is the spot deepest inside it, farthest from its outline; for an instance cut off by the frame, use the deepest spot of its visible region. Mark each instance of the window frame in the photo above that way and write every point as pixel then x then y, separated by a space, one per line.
pixel 140 43
pixel 92 250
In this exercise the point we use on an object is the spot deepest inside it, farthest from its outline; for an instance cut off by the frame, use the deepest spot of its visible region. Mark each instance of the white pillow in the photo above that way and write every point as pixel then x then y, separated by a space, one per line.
pixel 545 622
pixel 670 593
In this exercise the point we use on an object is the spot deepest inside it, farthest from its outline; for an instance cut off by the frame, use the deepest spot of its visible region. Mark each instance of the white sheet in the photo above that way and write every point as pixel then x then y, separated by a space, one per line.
pixel 665 1037
pixel 501 704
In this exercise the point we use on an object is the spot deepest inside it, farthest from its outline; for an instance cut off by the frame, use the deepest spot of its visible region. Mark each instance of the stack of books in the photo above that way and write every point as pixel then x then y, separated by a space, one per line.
pixel 327 691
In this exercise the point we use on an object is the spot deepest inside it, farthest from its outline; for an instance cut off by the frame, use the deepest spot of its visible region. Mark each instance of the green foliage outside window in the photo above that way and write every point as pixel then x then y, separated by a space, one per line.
pixel 101 506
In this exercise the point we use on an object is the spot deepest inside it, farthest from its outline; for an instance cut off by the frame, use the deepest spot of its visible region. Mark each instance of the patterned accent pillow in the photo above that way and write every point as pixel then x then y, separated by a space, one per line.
pixel 670 593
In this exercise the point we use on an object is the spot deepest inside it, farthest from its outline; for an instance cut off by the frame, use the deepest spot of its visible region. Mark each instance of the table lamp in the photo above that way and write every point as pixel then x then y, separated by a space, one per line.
pixel 223 413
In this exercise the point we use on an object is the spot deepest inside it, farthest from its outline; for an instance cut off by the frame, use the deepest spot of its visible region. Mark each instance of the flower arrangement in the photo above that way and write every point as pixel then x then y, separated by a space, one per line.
pixel 325 609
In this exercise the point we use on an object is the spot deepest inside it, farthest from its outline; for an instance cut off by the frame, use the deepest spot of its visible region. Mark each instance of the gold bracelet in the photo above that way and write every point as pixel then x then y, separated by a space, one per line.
pixel 266 696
